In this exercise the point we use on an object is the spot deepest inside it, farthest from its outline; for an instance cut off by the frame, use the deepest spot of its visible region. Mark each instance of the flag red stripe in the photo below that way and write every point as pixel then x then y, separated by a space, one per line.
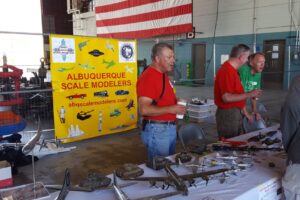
pixel 170 12
pixel 184 28
pixel 122 5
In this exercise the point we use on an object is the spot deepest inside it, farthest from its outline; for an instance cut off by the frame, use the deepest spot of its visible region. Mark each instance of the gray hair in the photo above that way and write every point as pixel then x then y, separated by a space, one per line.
pixel 238 49
pixel 157 48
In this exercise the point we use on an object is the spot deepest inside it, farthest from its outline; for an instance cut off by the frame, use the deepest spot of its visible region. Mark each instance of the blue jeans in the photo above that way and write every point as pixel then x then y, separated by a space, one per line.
pixel 160 139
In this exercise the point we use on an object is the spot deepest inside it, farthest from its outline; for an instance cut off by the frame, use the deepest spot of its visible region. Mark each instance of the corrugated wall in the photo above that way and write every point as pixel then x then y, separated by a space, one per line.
pixel 236 24
pixel 236 17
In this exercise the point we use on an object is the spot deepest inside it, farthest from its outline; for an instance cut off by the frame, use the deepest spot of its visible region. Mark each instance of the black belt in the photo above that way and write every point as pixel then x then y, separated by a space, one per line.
pixel 149 121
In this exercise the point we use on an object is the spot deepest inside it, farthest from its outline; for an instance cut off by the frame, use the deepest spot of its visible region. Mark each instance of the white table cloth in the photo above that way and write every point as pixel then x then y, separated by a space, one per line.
pixel 259 182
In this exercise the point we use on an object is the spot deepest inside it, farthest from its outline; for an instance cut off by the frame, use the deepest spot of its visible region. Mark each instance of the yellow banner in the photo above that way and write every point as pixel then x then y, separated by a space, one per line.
pixel 94 86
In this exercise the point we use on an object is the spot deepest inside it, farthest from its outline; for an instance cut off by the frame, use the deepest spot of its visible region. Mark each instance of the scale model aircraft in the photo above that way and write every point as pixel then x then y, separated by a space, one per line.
pixel 176 180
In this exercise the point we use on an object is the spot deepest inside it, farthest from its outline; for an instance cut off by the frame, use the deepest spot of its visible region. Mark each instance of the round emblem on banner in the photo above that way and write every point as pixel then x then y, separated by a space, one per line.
pixel 127 51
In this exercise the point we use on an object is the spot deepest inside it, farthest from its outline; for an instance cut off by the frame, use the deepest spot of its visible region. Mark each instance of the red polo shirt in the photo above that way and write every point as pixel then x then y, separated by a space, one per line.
pixel 228 81
pixel 150 84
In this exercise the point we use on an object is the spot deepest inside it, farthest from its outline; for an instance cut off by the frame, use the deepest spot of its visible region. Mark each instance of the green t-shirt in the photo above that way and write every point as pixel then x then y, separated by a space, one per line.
pixel 249 81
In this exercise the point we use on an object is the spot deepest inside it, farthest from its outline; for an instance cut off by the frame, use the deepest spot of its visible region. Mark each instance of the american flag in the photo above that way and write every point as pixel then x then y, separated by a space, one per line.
pixel 142 18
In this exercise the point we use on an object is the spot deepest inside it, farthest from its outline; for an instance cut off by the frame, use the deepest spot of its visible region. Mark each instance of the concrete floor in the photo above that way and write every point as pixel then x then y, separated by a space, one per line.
pixel 106 153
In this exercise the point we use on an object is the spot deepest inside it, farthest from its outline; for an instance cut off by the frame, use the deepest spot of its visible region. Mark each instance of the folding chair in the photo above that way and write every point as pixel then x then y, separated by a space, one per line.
pixel 192 138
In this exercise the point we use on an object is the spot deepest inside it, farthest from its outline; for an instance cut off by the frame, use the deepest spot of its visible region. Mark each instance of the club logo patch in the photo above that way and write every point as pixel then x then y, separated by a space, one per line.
pixel 127 52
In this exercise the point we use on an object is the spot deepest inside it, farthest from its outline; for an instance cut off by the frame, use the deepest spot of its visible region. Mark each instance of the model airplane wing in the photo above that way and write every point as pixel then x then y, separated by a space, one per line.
pixel 121 195
pixel 148 178
pixel 178 180
pixel 65 188
pixel 71 188
pixel 28 147
pixel 233 143
pixel 185 177
pixel 204 175
pixel 86 189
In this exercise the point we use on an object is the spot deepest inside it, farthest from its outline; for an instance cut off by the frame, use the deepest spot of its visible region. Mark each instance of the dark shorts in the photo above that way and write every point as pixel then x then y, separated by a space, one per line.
pixel 229 122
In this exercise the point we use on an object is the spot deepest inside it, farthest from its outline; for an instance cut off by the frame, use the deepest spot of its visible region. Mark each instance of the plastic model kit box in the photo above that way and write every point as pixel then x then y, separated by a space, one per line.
pixel 204 110
pixel 5 174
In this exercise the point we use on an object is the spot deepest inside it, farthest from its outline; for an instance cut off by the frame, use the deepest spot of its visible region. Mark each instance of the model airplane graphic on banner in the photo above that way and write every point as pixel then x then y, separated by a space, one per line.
pixel 82 44
pixel 108 64
pixel 63 69
pixel 86 66
pixel 96 53
pixel 129 69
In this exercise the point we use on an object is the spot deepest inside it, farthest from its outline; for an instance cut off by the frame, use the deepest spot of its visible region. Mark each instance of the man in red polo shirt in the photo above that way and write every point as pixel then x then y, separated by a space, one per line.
pixel 158 104
pixel 230 97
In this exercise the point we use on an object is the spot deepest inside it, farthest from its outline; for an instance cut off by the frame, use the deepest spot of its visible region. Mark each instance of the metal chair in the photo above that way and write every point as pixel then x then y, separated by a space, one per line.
pixel 254 126
pixel 192 135
pixel 261 108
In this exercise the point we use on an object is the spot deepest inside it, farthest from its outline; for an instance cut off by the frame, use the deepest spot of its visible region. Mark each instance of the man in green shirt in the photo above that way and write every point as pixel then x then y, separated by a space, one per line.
pixel 250 75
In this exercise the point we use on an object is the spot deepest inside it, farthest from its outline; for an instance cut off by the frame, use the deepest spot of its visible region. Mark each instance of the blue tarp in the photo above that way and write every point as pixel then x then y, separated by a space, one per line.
pixel 12 128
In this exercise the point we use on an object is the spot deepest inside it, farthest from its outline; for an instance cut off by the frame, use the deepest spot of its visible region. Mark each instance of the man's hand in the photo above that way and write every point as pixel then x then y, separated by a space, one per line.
pixel 249 117
pixel 178 109
pixel 254 93
pixel 257 116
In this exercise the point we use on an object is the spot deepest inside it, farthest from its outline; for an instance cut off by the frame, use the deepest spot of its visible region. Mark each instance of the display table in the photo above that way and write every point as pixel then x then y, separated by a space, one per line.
pixel 258 182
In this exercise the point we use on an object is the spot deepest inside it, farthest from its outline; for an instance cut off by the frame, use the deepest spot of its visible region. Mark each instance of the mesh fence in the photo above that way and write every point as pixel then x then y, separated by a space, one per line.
pixel 21 110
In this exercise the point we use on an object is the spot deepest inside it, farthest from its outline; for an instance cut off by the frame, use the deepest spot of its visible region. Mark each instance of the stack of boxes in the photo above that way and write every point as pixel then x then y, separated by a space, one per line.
pixel 203 110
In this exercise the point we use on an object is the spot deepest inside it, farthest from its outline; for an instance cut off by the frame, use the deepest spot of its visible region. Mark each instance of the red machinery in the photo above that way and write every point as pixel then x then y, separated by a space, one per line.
pixel 15 75
pixel 10 122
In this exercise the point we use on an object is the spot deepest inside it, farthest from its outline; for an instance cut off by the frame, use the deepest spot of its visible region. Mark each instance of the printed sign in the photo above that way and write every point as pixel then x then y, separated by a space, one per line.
pixel 94 94
pixel 63 50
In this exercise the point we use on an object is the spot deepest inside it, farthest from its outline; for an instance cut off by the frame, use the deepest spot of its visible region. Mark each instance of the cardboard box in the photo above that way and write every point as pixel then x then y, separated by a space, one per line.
pixel 5 174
